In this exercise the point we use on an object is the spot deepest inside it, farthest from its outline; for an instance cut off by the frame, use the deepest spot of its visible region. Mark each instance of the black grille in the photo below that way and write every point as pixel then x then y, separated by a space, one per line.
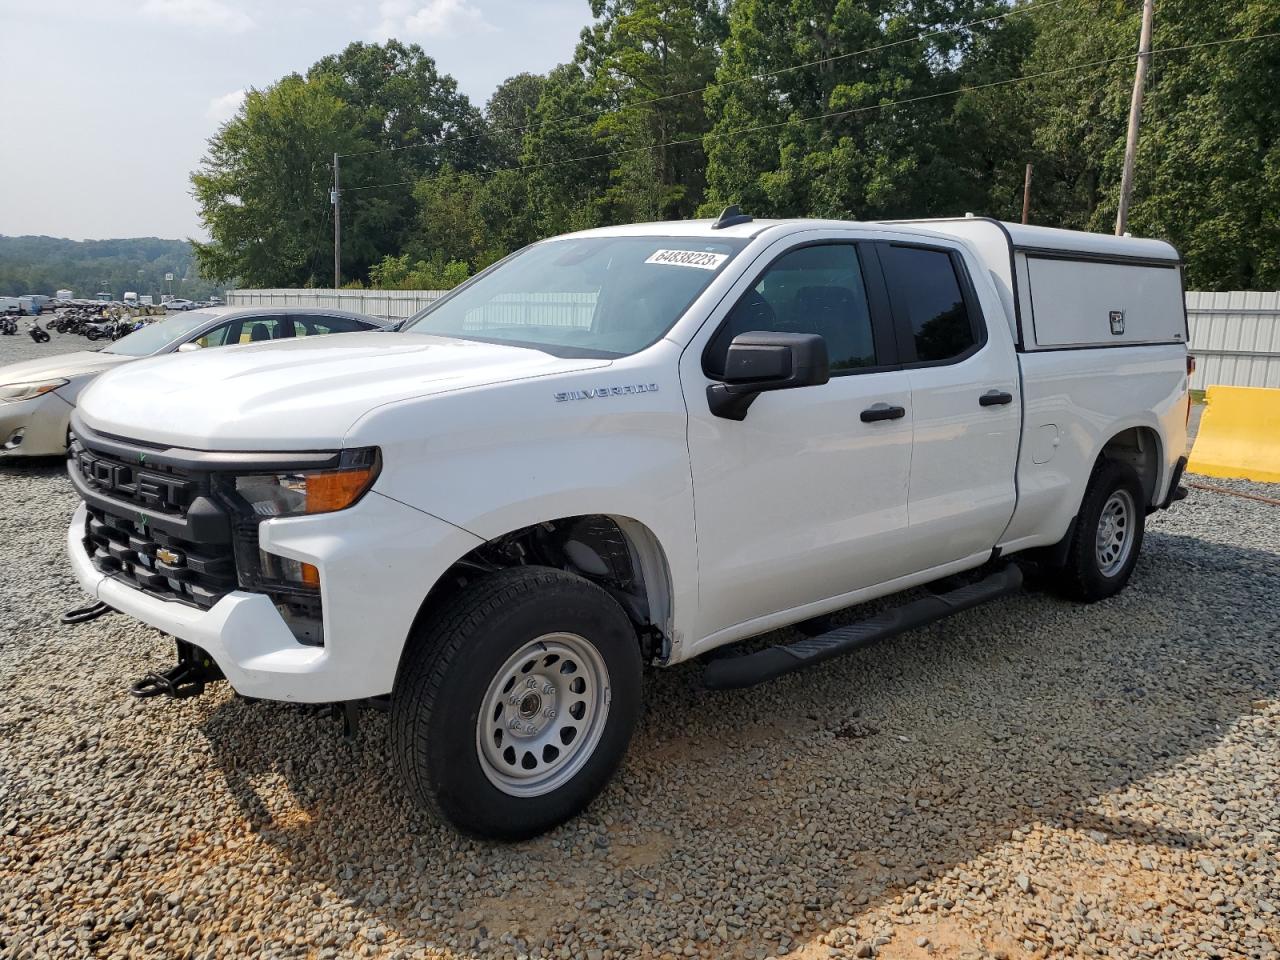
pixel 170 523
pixel 159 563
pixel 156 489
pixel 148 527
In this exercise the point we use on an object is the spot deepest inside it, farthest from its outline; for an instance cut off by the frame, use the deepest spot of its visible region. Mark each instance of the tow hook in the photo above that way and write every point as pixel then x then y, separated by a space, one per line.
pixel 84 614
pixel 194 669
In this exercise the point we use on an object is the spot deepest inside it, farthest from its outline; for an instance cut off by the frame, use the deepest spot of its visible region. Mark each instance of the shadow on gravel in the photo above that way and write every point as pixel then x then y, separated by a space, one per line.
pixel 804 802
pixel 32 468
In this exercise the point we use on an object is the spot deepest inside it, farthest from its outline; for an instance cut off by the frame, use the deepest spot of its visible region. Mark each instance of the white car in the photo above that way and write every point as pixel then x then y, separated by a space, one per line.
pixel 635 445
pixel 37 396
pixel 179 303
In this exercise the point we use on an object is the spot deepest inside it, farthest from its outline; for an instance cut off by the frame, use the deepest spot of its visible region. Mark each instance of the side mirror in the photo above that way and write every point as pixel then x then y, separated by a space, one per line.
pixel 759 362
pixel 190 346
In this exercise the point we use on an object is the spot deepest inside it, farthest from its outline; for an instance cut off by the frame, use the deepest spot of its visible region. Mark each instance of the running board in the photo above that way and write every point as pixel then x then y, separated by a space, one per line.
pixel 732 673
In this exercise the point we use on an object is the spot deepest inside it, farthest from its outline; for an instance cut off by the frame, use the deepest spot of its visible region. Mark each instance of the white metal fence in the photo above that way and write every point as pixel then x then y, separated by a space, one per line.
pixel 1235 336
pixel 380 303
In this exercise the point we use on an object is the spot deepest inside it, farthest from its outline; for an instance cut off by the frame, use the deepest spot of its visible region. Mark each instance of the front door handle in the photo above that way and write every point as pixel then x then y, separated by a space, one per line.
pixel 882 411
pixel 995 398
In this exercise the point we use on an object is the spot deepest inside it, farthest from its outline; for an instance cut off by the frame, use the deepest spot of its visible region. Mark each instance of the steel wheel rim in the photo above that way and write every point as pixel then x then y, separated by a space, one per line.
pixel 542 715
pixel 1114 541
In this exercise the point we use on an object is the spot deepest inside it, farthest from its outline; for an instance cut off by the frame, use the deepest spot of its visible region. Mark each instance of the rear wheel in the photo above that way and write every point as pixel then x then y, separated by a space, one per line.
pixel 516 703
pixel 1108 534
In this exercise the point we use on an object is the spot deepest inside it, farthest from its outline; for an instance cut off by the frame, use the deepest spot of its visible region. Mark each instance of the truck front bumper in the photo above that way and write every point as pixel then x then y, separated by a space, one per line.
pixel 377 560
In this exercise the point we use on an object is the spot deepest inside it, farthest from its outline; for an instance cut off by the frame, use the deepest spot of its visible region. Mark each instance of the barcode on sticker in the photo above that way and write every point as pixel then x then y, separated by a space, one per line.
pixel 689 258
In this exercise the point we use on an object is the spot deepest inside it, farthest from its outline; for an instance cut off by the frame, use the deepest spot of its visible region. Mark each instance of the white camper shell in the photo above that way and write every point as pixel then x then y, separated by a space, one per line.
pixel 1064 289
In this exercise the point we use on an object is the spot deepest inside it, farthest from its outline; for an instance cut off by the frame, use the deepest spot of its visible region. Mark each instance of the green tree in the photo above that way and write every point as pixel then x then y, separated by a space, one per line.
pixel 868 158
pixel 510 112
pixel 47 264
pixel 398 273
pixel 1208 164
pixel 646 61
pixel 1208 174
pixel 566 195
pixel 263 189
pixel 403 101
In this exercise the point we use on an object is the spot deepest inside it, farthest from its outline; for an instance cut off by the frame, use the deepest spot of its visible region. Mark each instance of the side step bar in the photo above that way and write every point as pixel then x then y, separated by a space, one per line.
pixel 732 673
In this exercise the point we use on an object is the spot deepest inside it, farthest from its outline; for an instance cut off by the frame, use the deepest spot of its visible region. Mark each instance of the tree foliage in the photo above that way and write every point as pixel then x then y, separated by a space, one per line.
pixel 46 264
pixel 865 109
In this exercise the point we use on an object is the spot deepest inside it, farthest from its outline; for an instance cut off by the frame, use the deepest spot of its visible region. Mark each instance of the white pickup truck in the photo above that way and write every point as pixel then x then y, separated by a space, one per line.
pixel 634 445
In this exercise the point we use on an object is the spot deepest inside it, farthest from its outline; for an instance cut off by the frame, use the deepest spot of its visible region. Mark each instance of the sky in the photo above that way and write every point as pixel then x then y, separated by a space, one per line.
pixel 106 105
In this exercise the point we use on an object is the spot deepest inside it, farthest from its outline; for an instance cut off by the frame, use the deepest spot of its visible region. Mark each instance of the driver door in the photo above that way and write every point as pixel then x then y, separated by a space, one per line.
pixel 806 498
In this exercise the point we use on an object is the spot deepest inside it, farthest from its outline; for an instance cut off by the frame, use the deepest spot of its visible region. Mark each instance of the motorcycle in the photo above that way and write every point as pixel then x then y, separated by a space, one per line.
pixel 38 333
pixel 108 329
pixel 8 326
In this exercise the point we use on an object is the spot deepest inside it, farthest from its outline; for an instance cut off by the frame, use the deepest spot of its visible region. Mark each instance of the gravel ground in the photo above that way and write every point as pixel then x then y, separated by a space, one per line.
pixel 1028 779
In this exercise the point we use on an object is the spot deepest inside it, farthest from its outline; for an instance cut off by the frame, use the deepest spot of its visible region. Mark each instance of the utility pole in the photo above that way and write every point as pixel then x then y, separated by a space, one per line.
pixel 335 197
pixel 1135 117
pixel 1026 196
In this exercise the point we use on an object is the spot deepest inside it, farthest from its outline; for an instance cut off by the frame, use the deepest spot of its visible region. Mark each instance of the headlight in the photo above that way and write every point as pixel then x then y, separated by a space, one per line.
pixel 12 392
pixel 311 491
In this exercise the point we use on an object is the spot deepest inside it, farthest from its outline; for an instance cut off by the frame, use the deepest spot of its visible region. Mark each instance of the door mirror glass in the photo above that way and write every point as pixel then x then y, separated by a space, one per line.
pixel 761 362
pixel 190 346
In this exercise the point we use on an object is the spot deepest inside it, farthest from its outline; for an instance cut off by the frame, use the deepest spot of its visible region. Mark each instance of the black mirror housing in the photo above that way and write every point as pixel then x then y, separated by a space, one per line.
pixel 759 362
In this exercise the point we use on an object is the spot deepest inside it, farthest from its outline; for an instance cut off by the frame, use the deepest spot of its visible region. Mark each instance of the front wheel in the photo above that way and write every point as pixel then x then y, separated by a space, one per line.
pixel 1108 534
pixel 516 703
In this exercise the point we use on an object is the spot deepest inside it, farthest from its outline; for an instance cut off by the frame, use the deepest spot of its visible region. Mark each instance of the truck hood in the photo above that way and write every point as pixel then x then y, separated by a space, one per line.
pixel 295 394
pixel 62 366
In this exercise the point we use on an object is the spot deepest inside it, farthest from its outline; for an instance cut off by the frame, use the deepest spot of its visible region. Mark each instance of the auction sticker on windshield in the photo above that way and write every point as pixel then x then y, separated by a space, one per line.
pixel 689 258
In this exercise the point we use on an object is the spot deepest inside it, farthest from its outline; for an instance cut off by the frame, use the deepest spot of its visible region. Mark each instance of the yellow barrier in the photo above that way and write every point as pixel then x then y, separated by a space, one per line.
pixel 1239 434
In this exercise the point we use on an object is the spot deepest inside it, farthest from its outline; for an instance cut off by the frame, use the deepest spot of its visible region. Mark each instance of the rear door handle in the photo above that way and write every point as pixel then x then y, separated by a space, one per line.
pixel 995 398
pixel 882 411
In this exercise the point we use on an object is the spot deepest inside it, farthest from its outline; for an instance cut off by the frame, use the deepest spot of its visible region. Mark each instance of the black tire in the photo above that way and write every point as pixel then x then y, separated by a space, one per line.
pixel 449 665
pixel 1083 576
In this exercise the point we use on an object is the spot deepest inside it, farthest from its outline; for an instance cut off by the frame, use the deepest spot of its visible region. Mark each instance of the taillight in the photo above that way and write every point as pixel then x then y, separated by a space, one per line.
pixel 1191 368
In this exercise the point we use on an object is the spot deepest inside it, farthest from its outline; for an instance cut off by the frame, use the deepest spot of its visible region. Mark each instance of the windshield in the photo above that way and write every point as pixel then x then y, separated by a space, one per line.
pixel 155 336
pixel 592 296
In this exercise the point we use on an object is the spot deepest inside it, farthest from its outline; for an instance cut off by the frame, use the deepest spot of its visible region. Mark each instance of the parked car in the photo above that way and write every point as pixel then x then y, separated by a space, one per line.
pixel 38 396
pixel 178 303
pixel 629 445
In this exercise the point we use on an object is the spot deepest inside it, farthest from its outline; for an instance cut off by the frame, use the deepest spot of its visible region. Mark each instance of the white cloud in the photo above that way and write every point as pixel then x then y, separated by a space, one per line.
pixel 223 108
pixel 209 14
pixel 434 18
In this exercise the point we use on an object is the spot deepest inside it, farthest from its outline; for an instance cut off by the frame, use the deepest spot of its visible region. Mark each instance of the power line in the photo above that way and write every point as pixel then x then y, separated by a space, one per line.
pixel 715 86
pixel 836 113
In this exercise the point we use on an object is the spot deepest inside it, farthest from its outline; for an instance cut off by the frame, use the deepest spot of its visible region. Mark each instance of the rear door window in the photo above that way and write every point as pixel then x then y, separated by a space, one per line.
pixel 929 299
pixel 310 325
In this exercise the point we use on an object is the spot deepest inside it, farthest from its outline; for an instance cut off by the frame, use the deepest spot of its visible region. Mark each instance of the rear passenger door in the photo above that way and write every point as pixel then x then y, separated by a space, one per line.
pixel 964 399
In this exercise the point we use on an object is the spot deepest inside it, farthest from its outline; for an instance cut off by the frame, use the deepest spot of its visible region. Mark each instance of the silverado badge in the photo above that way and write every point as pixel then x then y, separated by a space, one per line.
pixel 600 393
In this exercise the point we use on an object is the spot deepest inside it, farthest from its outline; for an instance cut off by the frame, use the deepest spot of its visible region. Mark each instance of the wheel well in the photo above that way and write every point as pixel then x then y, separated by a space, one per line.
pixel 1140 448
pixel 616 553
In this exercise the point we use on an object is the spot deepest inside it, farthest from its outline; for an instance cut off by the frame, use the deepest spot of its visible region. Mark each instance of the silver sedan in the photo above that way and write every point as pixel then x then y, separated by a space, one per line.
pixel 37 396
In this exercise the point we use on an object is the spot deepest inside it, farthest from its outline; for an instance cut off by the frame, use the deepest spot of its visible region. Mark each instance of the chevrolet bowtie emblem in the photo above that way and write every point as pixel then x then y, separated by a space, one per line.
pixel 167 555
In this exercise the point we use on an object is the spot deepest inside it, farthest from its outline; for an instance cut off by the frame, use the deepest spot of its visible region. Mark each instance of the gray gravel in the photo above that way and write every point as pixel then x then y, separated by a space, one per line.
pixel 1027 779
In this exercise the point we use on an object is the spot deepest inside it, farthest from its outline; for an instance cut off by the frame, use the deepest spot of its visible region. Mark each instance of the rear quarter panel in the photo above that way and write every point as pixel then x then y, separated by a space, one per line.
pixel 1075 402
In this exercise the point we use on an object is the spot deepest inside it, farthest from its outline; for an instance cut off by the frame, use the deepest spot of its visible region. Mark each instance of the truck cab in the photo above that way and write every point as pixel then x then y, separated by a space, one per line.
pixel 636 445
